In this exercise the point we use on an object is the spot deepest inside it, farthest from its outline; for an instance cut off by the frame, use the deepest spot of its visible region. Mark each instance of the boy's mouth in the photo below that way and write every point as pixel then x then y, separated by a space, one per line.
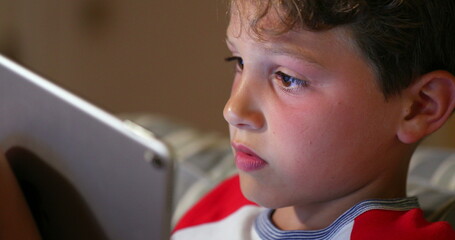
pixel 246 160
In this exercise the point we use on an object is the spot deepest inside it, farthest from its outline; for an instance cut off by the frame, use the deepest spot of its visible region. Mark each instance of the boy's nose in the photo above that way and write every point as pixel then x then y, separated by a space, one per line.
pixel 242 110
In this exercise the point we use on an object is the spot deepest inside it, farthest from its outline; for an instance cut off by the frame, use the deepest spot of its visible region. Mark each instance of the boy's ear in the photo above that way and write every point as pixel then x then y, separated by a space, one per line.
pixel 429 102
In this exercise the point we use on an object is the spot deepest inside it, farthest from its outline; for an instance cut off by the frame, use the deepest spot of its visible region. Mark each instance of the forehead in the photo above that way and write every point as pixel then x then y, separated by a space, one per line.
pixel 248 12
pixel 244 24
pixel 312 46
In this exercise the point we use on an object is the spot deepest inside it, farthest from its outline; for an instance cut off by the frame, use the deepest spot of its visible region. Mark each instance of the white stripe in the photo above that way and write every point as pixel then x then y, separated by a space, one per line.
pixel 236 226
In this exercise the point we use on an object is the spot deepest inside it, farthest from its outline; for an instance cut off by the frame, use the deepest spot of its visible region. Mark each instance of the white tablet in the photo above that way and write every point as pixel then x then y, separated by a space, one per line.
pixel 85 173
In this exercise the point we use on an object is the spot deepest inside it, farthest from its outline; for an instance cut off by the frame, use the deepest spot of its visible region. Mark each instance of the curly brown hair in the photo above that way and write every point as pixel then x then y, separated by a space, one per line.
pixel 402 39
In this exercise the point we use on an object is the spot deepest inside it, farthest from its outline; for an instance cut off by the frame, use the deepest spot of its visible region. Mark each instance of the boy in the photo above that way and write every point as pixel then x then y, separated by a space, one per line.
pixel 329 101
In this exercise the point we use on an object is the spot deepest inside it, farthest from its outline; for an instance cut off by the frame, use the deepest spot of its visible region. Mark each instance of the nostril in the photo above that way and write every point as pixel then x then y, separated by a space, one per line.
pixel 248 121
pixel 241 125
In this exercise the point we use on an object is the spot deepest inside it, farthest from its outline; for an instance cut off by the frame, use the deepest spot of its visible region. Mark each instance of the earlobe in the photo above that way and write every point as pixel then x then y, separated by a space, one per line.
pixel 430 102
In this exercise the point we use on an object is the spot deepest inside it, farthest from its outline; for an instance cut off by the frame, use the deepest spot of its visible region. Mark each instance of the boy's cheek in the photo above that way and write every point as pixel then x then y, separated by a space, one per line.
pixel 322 133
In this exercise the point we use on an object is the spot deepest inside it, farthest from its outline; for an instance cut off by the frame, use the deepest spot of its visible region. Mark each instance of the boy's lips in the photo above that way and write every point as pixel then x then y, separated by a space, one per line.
pixel 247 160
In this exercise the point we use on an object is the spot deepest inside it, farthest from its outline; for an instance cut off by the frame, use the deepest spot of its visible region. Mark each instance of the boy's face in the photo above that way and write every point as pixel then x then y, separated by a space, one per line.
pixel 307 104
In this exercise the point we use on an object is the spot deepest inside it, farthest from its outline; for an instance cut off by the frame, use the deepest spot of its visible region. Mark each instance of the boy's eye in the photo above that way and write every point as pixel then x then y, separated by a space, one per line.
pixel 239 60
pixel 289 82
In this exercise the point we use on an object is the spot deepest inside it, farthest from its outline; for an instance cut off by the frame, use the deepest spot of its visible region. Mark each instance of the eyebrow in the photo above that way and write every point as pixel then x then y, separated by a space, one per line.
pixel 294 52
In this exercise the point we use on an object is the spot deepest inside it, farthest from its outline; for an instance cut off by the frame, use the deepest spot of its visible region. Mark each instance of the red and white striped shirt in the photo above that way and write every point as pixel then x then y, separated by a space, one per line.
pixel 225 214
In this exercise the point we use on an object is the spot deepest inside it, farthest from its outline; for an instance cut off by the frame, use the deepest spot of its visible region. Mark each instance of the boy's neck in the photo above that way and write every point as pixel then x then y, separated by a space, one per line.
pixel 320 215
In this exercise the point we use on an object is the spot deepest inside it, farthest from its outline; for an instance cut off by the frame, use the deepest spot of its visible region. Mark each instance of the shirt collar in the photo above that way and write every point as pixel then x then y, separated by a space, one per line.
pixel 268 231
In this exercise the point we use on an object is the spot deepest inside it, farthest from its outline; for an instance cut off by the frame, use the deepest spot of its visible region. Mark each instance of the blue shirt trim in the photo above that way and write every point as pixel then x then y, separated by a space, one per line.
pixel 267 230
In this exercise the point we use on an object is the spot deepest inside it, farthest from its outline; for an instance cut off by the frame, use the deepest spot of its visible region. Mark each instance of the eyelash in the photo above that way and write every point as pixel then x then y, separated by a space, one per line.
pixel 283 77
pixel 287 80
pixel 239 64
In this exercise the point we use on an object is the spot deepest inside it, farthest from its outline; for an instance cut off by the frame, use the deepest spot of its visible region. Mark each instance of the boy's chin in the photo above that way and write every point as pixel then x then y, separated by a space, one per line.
pixel 259 194
pixel 261 200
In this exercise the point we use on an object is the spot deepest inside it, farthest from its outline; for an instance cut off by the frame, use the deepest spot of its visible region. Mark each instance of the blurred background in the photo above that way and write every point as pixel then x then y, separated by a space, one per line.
pixel 160 57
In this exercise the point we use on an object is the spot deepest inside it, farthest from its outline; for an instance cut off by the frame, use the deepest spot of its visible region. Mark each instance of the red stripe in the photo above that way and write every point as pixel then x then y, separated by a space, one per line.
pixel 402 225
pixel 216 205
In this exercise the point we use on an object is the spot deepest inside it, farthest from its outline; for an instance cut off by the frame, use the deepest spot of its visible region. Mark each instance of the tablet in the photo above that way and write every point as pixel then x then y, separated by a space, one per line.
pixel 85 173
